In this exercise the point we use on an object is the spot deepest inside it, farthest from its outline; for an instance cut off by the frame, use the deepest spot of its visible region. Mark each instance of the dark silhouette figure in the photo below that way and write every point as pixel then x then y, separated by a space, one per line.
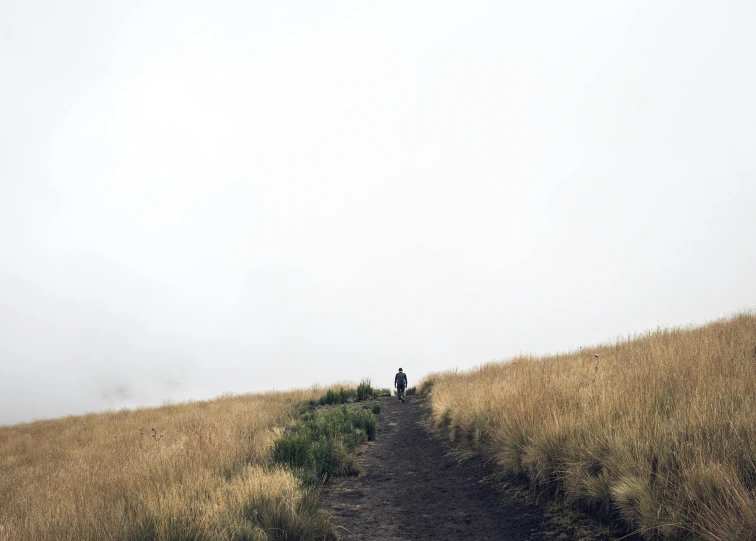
pixel 400 382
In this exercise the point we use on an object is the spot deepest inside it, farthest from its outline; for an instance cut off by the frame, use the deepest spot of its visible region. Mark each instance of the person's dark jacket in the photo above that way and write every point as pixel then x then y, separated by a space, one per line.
pixel 401 380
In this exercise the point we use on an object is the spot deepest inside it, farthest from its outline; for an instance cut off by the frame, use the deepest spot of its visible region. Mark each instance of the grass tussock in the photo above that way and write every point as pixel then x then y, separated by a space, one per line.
pixel 656 429
pixel 364 390
pixel 198 471
pixel 334 396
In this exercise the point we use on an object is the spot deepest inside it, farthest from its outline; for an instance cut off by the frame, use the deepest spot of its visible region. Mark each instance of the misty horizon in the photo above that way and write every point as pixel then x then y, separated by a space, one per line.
pixel 201 200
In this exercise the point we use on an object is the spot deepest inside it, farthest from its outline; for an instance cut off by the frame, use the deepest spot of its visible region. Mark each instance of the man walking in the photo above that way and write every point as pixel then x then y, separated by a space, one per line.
pixel 400 382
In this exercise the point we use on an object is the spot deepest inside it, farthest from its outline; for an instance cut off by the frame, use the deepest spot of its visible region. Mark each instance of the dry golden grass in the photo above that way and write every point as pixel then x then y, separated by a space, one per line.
pixel 659 429
pixel 204 474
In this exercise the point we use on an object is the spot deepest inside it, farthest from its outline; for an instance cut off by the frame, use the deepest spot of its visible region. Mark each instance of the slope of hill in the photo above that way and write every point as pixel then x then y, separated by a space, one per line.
pixel 192 471
pixel 657 429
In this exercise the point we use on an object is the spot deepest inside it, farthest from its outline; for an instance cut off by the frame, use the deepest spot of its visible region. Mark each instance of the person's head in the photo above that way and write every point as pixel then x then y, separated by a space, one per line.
pixel 400 370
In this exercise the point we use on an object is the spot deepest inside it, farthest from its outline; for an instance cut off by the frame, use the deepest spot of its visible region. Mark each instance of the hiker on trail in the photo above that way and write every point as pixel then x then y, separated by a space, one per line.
pixel 400 382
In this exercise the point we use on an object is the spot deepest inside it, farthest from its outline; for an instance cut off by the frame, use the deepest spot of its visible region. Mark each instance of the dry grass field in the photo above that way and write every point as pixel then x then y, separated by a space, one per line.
pixel 659 429
pixel 203 473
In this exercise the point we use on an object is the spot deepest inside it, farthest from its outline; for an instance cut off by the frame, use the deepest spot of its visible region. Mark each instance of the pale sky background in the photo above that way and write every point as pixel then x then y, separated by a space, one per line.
pixel 209 197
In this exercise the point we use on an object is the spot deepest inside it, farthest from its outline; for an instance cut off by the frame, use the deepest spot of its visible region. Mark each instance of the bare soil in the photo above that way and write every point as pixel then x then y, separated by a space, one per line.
pixel 412 487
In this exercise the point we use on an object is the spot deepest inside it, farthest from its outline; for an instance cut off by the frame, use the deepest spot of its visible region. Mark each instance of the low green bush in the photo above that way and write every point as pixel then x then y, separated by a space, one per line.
pixel 293 449
pixel 320 445
pixel 376 408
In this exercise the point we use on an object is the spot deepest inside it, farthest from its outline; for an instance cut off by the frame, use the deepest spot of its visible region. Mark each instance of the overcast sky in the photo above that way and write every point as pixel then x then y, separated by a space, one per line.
pixel 209 197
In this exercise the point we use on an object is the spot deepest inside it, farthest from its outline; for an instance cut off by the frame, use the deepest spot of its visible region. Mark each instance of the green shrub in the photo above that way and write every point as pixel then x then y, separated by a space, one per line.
pixel 320 446
pixel 364 390
pixel 334 397
pixel 324 458
pixel 362 420
pixel 376 408
pixel 293 449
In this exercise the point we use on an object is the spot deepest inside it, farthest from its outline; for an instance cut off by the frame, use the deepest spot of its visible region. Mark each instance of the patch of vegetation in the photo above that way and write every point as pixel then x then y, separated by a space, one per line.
pixel 364 390
pixel 321 444
pixel 376 408
pixel 258 505
pixel 301 519
pixel 334 397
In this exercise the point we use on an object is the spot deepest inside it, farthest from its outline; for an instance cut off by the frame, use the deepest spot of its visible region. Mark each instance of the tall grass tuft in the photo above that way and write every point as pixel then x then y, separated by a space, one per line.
pixel 335 397
pixel 364 390
pixel 661 432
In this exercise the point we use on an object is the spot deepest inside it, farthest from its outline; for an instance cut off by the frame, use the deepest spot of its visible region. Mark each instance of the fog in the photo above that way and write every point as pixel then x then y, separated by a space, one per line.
pixel 199 198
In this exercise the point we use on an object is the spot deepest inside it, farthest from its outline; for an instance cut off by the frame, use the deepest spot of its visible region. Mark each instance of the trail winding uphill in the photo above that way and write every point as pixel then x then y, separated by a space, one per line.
pixel 411 489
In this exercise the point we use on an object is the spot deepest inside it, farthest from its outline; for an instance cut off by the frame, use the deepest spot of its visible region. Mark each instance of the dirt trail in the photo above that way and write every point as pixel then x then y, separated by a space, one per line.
pixel 411 489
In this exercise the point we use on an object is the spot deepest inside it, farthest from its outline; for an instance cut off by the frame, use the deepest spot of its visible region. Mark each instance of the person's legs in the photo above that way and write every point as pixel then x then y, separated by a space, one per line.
pixel 400 393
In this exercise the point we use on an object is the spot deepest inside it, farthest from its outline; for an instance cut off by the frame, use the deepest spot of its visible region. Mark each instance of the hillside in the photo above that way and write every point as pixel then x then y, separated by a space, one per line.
pixel 191 471
pixel 656 430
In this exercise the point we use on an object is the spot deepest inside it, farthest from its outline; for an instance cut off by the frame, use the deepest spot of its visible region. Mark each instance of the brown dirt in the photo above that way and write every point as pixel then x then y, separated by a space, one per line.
pixel 413 488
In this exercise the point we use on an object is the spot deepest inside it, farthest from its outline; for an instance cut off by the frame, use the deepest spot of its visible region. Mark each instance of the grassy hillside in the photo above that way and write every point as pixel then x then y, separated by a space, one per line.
pixel 204 472
pixel 659 430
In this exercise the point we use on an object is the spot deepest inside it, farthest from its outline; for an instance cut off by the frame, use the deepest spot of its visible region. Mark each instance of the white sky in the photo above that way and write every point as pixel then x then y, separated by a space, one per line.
pixel 203 197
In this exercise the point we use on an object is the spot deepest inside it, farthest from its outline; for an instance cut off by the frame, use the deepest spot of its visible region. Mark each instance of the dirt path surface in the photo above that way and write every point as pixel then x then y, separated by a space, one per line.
pixel 411 489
